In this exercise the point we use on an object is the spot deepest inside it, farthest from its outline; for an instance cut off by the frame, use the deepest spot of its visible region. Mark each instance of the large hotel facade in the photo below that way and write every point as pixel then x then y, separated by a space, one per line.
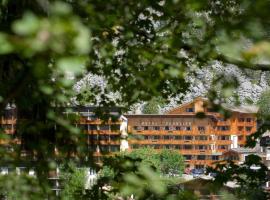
pixel 200 140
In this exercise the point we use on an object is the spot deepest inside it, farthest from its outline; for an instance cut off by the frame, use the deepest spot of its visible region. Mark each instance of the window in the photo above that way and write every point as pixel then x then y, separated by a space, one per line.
pixel 8 114
pixel 178 128
pixel 93 137
pixel 178 147
pixel 188 137
pixel 6 126
pixel 188 157
pixel 241 119
pixel 93 148
pixel 93 127
pixel 146 137
pixel 115 148
pixel 104 137
pixel 248 128
pixel 145 128
pixel 115 127
pixel 201 147
pixel 188 147
pixel 104 127
pixel 201 157
pixel 223 137
pixel 104 148
pixel 171 128
pixel 156 128
pixel 83 126
pixel 240 137
pixel 167 128
pixel 249 119
pixel 223 128
pixel 156 137
pixel 188 128
pixel 201 128
pixel 221 119
pixel 178 137
pixel 114 137
pixel 201 137
pixel 166 137
pixel 225 147
pixel 215 158
pixel 240 128
pixel 189 110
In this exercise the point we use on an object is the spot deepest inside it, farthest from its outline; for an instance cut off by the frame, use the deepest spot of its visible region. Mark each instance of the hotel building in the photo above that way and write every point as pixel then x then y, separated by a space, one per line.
pixel 200 140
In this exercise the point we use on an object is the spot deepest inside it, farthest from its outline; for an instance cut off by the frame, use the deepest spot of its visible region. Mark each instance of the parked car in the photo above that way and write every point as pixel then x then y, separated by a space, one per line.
pixel 197 172
pixel 213 174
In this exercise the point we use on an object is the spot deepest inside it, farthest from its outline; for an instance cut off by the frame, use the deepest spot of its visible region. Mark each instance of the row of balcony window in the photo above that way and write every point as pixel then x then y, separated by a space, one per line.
pixel 166 128
pixel 8 114
pixel 246 128
pixel 180 137
pixel 104 148
pixel 202 157
pixel 179 128
pixel 102 127
pixel 103 137
pixel 245 119
pixel 7 126
pixel 179 147
pixel 189 128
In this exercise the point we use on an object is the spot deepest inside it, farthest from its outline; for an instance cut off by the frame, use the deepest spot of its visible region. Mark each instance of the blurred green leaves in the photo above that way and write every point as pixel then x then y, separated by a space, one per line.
pixel 28 25
pixel 72 65
pixel 48 45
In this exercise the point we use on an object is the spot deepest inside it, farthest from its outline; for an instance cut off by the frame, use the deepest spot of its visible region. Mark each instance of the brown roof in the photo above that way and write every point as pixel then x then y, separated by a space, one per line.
pixel 243 150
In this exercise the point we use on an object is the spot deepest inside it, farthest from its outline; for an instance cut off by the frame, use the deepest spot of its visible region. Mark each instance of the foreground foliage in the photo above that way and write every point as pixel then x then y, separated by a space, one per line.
pixel 142 48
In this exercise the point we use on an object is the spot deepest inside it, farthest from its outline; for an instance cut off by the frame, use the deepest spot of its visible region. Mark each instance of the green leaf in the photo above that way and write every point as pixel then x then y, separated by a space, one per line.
pixel 61 8
pixel 73 65
pixel 82 41
pixel 5 47
pixel 46 89
pixel 28 25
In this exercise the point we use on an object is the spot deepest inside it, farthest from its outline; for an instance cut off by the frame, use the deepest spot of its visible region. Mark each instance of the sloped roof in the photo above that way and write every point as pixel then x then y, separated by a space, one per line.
pixel 243 150
pixel 185 104
pixel 242 108
pixel 232 108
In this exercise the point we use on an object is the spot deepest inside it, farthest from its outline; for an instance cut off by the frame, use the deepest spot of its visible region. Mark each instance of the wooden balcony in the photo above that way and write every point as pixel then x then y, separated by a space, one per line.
pixel 97 122
pixel 167 132
pixel 223 123
pixel 8 121
pixel 223 142
pixel 195 152
pixel 101 132
pixel 227 132
pixel 181 142
pixel 9 131
pixel 104 142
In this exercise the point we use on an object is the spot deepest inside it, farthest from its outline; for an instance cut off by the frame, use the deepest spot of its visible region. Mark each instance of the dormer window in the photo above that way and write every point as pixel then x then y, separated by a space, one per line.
pixel 249 119
pixel 201 128
pixel 241 119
